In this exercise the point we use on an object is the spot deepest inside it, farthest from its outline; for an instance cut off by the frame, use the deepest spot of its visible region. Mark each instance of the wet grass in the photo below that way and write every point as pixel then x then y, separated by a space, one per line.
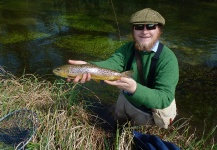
pixel 66 123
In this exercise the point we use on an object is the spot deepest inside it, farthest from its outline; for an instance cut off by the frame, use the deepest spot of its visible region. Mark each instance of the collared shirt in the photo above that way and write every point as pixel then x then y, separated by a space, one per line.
pixel 154 48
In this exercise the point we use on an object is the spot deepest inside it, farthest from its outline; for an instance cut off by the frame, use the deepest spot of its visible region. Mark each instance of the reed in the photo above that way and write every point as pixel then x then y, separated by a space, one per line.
pixel 66 124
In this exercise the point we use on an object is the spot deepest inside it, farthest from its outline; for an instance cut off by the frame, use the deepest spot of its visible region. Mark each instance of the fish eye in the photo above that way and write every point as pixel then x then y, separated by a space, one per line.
pixel 58 69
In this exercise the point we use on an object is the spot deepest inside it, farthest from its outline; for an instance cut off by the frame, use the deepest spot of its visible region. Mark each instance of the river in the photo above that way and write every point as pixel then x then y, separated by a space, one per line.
pixel 37 36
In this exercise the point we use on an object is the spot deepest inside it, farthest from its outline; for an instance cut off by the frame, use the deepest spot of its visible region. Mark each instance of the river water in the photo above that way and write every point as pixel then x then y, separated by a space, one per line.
pixel 37 36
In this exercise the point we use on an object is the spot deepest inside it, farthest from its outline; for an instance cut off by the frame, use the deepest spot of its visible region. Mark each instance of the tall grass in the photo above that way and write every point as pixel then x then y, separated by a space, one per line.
pixel 66 124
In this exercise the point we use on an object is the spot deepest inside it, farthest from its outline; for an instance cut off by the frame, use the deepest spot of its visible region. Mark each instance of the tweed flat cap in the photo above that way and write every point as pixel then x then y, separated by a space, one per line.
pixel 147 15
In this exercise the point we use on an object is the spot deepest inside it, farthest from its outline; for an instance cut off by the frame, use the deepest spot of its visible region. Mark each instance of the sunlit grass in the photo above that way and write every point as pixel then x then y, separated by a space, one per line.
pixel 65 123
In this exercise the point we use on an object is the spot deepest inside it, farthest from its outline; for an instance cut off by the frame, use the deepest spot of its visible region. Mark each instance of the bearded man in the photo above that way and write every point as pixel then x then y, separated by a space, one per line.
pixel 139 101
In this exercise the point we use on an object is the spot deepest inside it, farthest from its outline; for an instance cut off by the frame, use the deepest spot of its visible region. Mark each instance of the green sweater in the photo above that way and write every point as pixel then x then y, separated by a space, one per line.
pixel 166 76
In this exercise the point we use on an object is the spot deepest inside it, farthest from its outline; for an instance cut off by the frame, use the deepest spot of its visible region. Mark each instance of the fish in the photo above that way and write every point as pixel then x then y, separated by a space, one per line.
pixel 97 73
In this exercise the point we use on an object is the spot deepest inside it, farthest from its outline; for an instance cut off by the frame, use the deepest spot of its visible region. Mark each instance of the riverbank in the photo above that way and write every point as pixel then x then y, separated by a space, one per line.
pixel 67 123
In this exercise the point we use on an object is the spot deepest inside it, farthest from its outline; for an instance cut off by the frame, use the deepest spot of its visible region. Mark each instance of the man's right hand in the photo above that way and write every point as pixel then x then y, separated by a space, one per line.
pixel 85 77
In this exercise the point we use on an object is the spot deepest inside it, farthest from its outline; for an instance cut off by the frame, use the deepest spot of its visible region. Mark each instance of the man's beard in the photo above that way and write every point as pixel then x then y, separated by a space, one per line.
pixel 140 46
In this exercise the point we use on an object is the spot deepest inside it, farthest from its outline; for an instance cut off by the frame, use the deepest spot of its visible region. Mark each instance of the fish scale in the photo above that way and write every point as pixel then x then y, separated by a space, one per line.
pixel 97 73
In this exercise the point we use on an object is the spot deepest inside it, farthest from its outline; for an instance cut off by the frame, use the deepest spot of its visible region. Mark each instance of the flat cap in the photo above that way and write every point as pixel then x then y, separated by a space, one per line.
pixel 147 15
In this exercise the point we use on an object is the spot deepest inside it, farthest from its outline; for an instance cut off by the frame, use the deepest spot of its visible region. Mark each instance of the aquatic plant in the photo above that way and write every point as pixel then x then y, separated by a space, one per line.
pixel 89 45
pixel 87 23
pixel 11 38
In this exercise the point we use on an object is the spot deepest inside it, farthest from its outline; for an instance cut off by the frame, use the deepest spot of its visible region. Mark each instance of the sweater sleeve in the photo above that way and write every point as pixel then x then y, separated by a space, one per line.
pixel 117 61
pixel 166 79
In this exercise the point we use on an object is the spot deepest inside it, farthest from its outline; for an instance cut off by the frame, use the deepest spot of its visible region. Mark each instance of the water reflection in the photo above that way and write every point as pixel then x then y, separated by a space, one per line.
pixel 9 61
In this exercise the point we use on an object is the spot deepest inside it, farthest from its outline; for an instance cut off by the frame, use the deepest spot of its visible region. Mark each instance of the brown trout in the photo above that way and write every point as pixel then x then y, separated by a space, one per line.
pixel 97 73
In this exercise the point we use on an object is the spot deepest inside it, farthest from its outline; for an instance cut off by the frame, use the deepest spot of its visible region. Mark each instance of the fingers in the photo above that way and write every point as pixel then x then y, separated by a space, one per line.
pixel 86 77
pixel 115 83
pixel 126 80
pixel 68 80
pixel 73 62
pixel 126 84
pixel 82 79
pixel 122 81
pixel 76 80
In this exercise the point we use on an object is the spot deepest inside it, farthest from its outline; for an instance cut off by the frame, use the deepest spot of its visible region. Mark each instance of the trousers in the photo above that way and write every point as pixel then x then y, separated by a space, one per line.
pixel 125 112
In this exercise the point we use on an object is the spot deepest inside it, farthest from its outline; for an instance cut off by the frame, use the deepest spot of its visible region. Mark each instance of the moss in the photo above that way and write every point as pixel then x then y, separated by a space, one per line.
pixel 89 45
pixel 17 37
pixel 196 90
pixel 21 21
pixel 87 23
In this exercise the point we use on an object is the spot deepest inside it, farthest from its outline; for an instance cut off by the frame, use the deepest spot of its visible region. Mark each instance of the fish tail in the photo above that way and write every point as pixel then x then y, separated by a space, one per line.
pixel 128 73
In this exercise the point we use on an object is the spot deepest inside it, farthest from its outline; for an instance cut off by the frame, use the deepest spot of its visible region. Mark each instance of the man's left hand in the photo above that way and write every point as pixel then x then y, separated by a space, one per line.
pixel 126 84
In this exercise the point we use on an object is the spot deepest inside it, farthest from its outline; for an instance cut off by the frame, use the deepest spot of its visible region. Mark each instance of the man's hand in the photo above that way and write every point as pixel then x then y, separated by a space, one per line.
pixel 126 84
pixel 85 77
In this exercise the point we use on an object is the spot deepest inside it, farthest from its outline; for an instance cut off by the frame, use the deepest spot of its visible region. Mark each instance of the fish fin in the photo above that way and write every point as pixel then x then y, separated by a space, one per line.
pixel 128 73
pixel 71 77
pixel 96 80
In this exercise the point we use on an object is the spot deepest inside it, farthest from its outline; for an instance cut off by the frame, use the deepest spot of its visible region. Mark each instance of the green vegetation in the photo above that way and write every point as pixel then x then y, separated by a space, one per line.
pixel 65 123
pixel 89 45
pixel 12 38
pixel 86 23
pixel 19 29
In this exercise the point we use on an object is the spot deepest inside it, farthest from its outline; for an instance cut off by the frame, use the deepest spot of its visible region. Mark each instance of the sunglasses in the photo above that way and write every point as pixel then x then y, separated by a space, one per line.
pixel 142 26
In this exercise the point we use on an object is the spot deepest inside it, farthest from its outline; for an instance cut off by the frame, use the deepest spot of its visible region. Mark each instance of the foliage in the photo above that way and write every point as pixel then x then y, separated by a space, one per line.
pixel 62 125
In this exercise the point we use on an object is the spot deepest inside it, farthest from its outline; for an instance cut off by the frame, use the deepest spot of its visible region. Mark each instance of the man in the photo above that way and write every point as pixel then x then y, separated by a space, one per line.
pixel 138 102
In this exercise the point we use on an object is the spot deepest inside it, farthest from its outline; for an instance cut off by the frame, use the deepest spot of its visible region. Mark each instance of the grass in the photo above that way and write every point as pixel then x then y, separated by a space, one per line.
pixel 66 123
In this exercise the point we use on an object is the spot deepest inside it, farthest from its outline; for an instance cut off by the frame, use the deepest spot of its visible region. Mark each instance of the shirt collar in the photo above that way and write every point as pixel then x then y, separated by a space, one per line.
pixel 154 48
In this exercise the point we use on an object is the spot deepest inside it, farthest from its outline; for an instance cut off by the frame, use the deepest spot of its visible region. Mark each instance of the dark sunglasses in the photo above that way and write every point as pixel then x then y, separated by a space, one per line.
pixel 142 26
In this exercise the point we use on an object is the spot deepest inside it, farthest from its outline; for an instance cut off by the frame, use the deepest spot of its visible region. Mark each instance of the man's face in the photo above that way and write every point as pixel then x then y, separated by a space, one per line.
pixel 145 36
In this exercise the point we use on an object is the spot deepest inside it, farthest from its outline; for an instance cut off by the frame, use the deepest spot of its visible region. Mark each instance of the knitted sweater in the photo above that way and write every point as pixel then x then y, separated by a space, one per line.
pixel 166 76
